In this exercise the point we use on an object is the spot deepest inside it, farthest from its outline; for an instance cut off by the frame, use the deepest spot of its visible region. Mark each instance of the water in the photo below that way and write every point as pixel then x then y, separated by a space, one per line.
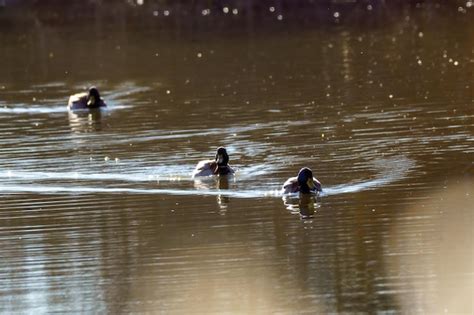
pixel 99 213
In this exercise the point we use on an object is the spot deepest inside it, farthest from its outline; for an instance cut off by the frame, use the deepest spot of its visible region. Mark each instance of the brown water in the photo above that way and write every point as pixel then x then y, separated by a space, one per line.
pixel 99 213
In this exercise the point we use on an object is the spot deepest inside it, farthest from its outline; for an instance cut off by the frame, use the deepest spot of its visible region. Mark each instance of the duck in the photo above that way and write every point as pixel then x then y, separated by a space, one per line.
pixel 219 166
pixel 304 183
pixel 86 100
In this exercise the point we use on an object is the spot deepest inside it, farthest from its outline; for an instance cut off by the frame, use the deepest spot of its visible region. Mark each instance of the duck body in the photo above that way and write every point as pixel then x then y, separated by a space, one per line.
pixel 218 166
pixel 205 168
pixel 210 167
pixel 86 100
pixel 303 183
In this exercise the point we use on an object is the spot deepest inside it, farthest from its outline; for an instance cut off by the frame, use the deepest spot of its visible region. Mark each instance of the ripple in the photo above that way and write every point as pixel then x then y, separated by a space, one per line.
pixel 115 190
pixel 58 105
pixel 26 109
pixel 390 170
pixel 141 177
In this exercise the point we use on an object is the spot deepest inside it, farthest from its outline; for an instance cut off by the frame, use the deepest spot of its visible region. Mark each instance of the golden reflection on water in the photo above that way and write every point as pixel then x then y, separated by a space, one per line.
pixel 433 265
pixel 218 280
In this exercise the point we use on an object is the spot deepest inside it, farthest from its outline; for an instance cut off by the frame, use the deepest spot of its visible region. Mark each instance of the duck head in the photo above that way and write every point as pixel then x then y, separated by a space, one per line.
pixel 306 181
pixel 222 158
pixel 93 98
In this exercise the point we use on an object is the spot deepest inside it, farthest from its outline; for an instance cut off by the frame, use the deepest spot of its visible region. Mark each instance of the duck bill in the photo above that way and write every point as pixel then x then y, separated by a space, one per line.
pixel 91 101
pixel 220 159
pixel 310 184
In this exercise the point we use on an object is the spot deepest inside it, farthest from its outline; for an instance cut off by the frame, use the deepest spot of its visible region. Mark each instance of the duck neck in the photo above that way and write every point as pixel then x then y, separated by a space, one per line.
pixel 304 188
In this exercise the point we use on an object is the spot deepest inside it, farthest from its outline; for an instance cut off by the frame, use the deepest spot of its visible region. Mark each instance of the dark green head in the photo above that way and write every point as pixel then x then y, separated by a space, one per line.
pixel 306 181
pixel 222 158
pixel 93 98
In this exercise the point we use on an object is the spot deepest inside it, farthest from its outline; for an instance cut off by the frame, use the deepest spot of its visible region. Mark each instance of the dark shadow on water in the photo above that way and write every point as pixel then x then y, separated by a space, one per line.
pixel 222 200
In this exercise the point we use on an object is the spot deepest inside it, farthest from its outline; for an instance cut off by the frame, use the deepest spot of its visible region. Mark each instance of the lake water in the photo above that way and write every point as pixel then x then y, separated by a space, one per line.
pixel 99 213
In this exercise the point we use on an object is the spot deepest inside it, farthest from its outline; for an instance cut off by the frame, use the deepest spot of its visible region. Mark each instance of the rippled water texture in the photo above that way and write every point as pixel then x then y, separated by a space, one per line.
pixel 99 213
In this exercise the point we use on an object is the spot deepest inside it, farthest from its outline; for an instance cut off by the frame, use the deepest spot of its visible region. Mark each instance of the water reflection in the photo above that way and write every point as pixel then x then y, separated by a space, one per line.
pixel 305 205
pixel 85 121
pixel 434 260
pixel 217 183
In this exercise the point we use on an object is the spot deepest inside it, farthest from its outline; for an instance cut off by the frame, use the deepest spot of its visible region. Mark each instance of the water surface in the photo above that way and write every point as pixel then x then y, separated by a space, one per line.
pixel 99 213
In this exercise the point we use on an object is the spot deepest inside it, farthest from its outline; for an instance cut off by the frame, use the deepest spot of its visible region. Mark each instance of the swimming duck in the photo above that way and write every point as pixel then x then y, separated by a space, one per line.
pixel 218 166
pixel 304 183
pixel 86 100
